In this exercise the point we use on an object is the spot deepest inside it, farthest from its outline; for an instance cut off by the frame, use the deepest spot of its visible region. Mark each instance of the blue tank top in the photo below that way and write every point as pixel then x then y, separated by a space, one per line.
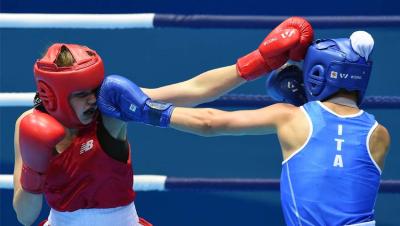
pixel 332 179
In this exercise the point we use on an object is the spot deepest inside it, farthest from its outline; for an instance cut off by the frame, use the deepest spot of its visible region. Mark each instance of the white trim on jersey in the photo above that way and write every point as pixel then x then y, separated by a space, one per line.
pixel 336 114
pixel 367 144
pixel 308 137
pixel 293 196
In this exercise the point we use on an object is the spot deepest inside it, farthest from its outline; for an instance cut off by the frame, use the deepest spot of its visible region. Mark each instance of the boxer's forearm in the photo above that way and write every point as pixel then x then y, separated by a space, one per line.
pixel 27 206
pixel 197 121
pixel 212 122
pixel 203 88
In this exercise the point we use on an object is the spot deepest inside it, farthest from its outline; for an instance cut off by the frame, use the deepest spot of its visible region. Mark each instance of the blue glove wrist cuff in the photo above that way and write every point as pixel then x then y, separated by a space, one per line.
pixel 158 113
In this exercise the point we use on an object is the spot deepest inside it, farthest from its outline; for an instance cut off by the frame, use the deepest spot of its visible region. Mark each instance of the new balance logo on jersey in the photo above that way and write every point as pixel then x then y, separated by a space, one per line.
pixel 86 146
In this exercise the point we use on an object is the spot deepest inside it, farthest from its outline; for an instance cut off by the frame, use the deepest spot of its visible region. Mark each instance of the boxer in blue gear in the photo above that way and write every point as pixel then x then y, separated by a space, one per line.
pixel 120 98
pixel 330 65
pixel 333 151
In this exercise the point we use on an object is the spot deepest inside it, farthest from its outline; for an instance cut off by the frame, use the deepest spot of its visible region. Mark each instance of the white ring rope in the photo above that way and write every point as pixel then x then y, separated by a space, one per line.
pixel 151 20
pixel 89 21
pixel 230 100
pixel 164 183
pixel 6 181
pixel 141 182
pixel 149 182
pixel 16 99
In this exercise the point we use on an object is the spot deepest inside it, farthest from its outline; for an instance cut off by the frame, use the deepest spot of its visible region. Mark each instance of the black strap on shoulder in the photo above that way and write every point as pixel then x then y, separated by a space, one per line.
pixel 116 149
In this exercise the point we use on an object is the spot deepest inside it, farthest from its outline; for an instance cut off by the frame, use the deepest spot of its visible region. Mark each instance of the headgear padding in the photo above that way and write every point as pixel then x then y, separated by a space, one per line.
pixel 334 64
pixel 55 84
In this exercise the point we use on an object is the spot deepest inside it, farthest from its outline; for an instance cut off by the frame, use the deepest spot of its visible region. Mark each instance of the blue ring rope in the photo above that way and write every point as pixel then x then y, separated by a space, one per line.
pixel 258 101
pixel 238 184
pixel 223 21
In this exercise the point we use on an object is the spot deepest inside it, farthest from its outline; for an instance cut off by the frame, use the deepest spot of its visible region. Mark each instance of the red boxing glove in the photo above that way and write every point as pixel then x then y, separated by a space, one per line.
pixel 38 135
pixel 289 40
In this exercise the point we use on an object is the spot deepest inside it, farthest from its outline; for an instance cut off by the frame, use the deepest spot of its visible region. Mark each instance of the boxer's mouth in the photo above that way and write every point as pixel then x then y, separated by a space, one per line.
pixel 90 112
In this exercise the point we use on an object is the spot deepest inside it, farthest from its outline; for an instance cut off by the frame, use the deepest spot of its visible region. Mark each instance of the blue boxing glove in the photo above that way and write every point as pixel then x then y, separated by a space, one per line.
pixel 120 98
pixel 286 85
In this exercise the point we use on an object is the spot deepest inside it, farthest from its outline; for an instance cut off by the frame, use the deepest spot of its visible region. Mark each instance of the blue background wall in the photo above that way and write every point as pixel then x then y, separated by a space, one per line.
pixel 247 7
pixel 157 57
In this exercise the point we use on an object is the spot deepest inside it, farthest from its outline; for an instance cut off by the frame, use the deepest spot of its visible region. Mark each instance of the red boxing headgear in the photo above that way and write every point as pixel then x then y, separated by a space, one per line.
pixel 55 84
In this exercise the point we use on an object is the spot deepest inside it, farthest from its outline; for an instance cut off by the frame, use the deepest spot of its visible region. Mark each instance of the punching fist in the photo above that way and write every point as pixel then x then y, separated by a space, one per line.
pixel 122 99
pixel 289 40
pixel 38 135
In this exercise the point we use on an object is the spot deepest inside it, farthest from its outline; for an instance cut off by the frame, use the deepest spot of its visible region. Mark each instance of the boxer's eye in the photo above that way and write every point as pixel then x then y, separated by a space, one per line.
pixel 82 94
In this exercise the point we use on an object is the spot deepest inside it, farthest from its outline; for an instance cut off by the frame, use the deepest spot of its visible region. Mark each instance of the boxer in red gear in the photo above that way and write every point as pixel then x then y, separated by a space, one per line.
pixel 65 149
pixel 61 143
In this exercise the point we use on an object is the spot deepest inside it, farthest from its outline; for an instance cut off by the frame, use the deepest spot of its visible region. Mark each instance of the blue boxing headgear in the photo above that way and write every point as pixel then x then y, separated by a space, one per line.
pixel 331 65
pixel 286 84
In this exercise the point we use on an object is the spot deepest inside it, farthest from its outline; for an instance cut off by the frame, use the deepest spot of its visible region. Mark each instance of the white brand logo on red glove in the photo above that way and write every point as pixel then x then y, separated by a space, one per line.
pixel 287 34
pixel 86 146
pixel 269 41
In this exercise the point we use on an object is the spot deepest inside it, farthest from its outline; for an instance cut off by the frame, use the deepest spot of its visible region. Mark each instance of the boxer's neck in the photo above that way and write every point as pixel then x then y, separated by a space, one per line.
pixel 345 101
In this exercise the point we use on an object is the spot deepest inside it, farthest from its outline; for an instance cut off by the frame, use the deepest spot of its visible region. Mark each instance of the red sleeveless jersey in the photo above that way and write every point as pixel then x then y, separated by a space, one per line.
pixel 83 176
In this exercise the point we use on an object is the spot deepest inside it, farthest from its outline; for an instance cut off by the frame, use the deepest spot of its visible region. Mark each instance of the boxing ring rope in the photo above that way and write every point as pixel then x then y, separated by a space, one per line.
pixel 230 100
pixel 165 183
pixel 258 101
pixel 152 20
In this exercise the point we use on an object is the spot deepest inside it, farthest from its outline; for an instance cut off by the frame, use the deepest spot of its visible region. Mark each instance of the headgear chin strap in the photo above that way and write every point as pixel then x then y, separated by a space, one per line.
pixel 331 65
pixel 55 84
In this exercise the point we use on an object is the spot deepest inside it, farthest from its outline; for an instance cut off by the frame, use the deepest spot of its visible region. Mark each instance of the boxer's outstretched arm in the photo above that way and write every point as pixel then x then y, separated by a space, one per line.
pixel 200 89
pixel 289 40
pixel 213 122
pixel 27 206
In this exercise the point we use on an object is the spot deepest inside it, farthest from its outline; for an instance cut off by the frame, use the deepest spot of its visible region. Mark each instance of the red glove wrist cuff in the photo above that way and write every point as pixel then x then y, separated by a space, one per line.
pixel 32 181
pixel 252 66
